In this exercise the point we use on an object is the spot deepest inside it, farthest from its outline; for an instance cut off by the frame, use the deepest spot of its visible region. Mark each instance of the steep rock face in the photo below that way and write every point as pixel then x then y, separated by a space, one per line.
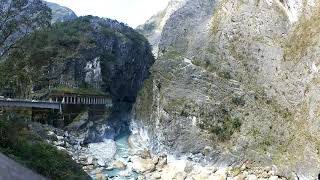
pixel 116 63
pixel 60 13
pixel 153 28
pixel 237 80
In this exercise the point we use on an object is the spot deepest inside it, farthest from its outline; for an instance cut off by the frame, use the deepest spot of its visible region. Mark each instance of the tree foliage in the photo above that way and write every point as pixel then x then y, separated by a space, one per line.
pixel 18 18
pixel 36 59
pixel 44 56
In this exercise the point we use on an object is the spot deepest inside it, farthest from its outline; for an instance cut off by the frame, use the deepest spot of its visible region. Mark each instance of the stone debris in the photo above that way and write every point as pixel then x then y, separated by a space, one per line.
pixel 150 166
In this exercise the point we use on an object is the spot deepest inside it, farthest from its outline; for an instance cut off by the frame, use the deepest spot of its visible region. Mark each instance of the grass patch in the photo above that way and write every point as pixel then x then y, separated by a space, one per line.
pixel 80 91
pixel 172 55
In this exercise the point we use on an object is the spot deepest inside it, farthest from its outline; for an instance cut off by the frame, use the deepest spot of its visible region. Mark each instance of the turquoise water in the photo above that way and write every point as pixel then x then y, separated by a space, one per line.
pixel 122 147
pixel 122 154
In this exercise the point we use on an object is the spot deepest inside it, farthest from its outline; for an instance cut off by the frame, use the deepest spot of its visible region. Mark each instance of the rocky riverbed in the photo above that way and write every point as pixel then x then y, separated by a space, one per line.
pixel 128 157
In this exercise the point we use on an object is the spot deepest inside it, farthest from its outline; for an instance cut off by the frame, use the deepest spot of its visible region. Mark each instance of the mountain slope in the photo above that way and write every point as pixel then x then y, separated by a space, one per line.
pixel 237 81
pixel 89 53
pixel 60 13
pixel 153 28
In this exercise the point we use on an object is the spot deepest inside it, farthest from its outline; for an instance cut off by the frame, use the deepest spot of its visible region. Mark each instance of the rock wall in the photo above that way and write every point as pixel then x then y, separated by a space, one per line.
pixel 237 81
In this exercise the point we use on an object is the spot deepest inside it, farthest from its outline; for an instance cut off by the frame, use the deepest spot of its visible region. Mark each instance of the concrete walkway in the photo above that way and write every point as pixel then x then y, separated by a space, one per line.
pixel 10 170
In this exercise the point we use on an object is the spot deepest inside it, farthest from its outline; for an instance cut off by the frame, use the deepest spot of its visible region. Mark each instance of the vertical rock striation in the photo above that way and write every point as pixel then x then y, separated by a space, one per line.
pixel 236 81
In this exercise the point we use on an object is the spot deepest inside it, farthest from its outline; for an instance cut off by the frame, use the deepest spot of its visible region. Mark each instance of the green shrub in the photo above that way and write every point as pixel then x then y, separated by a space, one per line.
pixel 224 74
pixel 30 150
pixel 227 128
pixel 239 101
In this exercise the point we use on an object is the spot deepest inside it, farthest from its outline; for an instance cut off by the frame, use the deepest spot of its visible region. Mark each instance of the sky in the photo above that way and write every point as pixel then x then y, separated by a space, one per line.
pixel 131 12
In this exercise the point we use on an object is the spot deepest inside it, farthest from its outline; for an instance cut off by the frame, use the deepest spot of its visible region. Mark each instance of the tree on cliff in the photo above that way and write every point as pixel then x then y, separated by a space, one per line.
pixel 18 18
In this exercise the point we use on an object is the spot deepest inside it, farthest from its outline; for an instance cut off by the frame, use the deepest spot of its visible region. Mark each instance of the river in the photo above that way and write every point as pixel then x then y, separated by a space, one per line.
pixel 123 155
